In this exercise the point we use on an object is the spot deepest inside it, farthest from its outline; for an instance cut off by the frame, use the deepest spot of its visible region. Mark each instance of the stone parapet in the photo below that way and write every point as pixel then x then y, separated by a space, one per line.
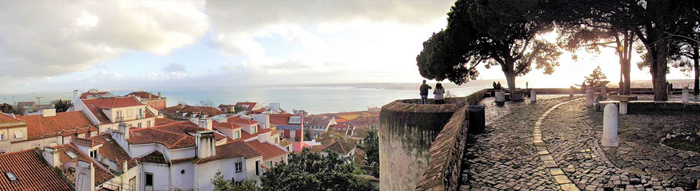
pixel 446 152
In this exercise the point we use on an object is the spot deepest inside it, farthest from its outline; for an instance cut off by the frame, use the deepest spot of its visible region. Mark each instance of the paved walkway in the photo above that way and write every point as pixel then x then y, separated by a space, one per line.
pixel 548 145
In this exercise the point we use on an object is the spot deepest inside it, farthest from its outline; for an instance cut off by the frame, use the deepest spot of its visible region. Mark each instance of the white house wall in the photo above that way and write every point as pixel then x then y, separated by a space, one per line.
pixel 207 171
pixel 161 174
pixel 183 175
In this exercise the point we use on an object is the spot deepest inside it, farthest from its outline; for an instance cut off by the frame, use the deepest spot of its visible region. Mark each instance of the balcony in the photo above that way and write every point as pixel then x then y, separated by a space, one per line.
pixel 140 116
pixel 120 119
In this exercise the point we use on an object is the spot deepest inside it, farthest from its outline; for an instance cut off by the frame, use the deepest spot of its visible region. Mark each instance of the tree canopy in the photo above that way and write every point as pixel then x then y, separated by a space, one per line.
pixel 493 33
pixel 313 172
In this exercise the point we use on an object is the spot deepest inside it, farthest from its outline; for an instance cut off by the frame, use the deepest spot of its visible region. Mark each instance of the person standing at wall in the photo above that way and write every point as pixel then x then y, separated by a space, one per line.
pixel 439 94
pixel 424 88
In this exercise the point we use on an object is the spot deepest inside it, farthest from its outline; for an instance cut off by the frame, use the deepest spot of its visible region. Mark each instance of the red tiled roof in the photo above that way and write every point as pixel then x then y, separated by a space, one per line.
pixel 64 123
pixel 210 111
pixel 96 105
pixel 111 150
pixel 230 150
pixel 248 106
pixel 173 135
pixel 340 147
pixel 227 125
pixel 114 102
pixel 143 95
pixel 32 172
pixel 7 119
pixel 20 104
pixel 241 121
pixel 268 150
pixel 85 95
pixel 246 135
pixel 164 121
pixel 102 174
pixel 285 142
pixel 280 119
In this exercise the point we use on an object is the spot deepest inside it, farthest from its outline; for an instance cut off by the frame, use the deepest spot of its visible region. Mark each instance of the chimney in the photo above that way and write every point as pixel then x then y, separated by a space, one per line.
pixel 206 145
pixel 262 138
pixel 124 130
pixel 263 119
pixel 84 176
pixel 150 95
pixel 51 156
pixel 205 123
pixel 76 94
pixel 125 165
pixel 48 112
pixel 275 107
pixel 158 94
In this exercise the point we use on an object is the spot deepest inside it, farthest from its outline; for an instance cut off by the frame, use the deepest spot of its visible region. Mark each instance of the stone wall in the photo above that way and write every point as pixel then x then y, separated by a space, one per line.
pixel 446 152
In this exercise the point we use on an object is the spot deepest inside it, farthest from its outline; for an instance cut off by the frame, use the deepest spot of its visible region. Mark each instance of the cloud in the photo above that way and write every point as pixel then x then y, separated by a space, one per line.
pixel 341 40
pixel 174 67
pixel 48 38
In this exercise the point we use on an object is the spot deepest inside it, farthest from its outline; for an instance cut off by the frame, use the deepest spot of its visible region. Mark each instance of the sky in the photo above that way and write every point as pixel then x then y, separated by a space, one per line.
pixel 64 45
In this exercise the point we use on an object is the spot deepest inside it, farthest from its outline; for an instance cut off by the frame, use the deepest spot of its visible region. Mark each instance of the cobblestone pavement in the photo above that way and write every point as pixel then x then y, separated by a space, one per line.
pixel 505 158
pixel 570 133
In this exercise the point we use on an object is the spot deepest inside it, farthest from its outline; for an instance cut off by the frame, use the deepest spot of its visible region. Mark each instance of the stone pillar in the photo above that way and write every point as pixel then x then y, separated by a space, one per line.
pixel 604 92
pixel 533 96
pixel 610 126
pixel 589 98
pixel 686 95
pixel 500 96
pixel 571 92
pixel 623 107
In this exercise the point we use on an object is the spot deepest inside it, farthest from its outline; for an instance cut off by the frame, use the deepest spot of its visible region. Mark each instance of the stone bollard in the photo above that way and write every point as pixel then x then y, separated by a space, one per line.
pixel 623 107
pixel 604 93
pixel 533 96
pixel 500 96
pixel 610 126
pixel 589 98
pixel 571 93
pixel 686 95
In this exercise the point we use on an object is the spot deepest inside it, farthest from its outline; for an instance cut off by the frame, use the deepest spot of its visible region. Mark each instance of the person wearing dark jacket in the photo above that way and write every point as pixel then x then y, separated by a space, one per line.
pixel 424 89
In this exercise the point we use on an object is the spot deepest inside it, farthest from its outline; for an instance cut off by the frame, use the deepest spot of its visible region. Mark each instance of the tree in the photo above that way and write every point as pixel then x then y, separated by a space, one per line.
pixel 371 149
pixel 238 108
pixel 62 106
pixel 587 28
pixel 597 78
pixel 220 184
pixel 313 172
pixel 7 108
pixel 226 185
pixel 495 33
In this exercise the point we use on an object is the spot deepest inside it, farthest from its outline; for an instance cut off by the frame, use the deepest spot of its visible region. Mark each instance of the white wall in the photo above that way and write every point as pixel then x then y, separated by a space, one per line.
pixel 206 172
pixel 183 175
pixel 160 173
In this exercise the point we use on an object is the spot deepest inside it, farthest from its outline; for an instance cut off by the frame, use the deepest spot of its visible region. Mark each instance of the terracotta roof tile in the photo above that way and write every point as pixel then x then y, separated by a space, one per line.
pixel 268 150
pixel 111 150
pixel 173 135
pixel 64 123
pixel 164 121
pixel 241 121
pixel 340 147
pixel 226 125
pixel 143 95
pixel 246 135
pixel 230 150
pixel 280 119
pixel 285 142
pixel 102 174
pixel 32 172
pixel 7 119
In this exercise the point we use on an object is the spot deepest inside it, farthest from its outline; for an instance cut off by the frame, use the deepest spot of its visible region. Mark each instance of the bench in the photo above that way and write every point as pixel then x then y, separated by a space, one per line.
pixel 599 106
pixel 623 99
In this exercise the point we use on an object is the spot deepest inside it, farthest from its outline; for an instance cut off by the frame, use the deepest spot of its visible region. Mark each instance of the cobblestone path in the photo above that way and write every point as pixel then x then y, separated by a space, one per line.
pixel 522 136
pixel 572 141
pixel 505 158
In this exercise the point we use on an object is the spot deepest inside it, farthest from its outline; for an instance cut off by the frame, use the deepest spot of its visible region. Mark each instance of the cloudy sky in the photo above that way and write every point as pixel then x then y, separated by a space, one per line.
pixel 66 45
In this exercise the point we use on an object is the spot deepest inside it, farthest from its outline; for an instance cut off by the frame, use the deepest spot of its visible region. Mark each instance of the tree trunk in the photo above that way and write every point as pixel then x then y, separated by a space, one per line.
pixel 696 88
pixel 626 74
pixel 510 79
pixel 658 71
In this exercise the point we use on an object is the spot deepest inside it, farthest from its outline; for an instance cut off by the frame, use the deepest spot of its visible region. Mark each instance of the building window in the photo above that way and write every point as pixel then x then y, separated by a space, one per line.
pixel 93 154
pixel 237 135
pixel 19 135
pixel 149 179
pixel 254 129
pixel 257 167
pixel 132 183
pixel 239 167
pixel 269 164
pixel 291 133
pixel 2 136
pixel 148 124
pixel 139 125
pixel 11 176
